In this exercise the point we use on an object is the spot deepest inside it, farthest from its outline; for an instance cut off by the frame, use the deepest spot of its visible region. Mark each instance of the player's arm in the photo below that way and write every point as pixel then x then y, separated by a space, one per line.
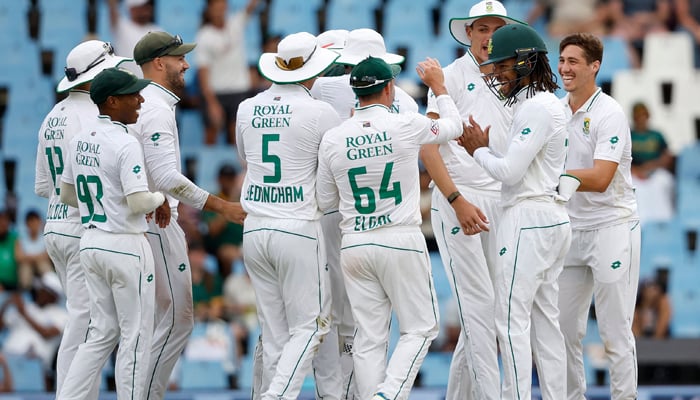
pixel 43 183
pixel 144 202
pixel 113 13
pixel 526 143
pixel 68 194
pixel 613 136
pixel 326 189
pixel 449 126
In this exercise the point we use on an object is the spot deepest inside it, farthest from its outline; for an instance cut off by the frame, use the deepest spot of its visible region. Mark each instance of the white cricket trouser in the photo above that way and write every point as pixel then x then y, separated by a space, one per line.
pixel 534 237
pixel 293 298
pixel 173 304
pixel 62 241
pixel 383 269
pixel 603 263
pixel 119 276
pixel 470 263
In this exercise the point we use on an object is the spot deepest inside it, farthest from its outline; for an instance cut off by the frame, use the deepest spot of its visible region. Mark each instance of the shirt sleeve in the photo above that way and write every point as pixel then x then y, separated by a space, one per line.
pixel 442 130
pixel 43 181
pixel 528 138
pixel 132 173
pixel 326 189
pixel 67 175
pixel 613 135
pixel 161 161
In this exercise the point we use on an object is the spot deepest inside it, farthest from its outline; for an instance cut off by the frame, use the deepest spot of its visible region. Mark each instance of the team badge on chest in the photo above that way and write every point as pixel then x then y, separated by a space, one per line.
pixel 586 126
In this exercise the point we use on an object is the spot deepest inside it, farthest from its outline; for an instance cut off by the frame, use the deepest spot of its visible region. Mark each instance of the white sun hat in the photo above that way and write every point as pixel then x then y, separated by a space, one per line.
pixel 85 61
pixel 362 43
pixel 333 39
pixel 298 59
pixel 482 9
pixel 135 3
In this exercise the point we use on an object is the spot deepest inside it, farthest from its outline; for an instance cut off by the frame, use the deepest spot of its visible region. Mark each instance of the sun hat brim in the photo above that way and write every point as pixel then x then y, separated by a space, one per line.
pixel 353 59
pixel 319 62
pixel 458 26
pixel 110 62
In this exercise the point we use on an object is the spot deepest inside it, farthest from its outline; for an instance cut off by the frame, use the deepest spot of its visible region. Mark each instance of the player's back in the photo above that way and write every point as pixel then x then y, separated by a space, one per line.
pixel 373 158
pixel 278 135
pixel 102 172
pixel 65 120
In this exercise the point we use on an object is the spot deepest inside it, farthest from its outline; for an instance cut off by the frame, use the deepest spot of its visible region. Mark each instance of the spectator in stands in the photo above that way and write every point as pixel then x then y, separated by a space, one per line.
pixel 688 16
pixel 35 326
pixel 634 19
pixel 258 82
pixel 240 307
pixel 127 31
pixel 652 314
pixel 569 16
pixel 34 260
pixel 223 238
pixel 224 80
pixel 10 250
pixel 6 382
pixel 207 286
pixel 649 148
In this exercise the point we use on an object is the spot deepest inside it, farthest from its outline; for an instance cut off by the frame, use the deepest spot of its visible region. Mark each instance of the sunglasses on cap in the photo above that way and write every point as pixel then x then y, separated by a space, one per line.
pixel 294 63
pixel 366 81
pixel 174 42
pixel 73 74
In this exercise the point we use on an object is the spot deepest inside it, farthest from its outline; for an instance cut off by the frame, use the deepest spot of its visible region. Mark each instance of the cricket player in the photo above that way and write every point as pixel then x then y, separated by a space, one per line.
pixel 466 206
pixel 357 45
pixel 104 177
pixel 368 168
pixel 604 258
pixel 162 59
pixel 63 229
pixel 534 233
pixel 278 135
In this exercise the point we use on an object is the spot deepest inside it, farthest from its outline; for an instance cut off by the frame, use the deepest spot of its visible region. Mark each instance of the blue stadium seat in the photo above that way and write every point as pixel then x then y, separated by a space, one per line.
pixel 350 15
pixel 663 245
pixel 245 372
pixel 688 166
pixel 616 58
pixel 253 39
pixel 294 16
pixel 103 30
pixel 13 20
pixel 199 374
pixel 191 128
pixel 209 160
pixel 62 25
pixel 688 195
pixel 414 22
pixel 27 374
pixel 182 17
pixel 685 300
pixel 435 369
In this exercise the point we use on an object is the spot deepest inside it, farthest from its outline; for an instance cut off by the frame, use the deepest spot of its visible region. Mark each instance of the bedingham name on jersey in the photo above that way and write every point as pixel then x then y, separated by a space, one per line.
pixel 278 134
pixel 66 119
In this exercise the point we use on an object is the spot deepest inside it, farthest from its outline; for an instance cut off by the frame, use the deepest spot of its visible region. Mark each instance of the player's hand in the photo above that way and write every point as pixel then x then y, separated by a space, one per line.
pixel 470 217
pixel 18 301
pixel 163 214
pixel 233 211
pixel 430 72
pixel 473 137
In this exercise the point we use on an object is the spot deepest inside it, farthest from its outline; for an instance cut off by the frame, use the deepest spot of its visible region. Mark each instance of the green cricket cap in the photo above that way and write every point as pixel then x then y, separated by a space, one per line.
pixel 159 44
pixel 371 75
pixel 115 82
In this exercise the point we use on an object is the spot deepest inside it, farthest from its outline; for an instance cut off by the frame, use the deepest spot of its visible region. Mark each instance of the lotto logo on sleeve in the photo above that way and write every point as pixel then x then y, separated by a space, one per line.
pixel 434 127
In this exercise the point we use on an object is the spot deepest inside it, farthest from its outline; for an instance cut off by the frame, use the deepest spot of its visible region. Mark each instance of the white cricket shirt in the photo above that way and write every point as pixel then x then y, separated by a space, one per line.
pixel 336 91
pixel 599 131
pixel 278 133
pixel 465 84
pixel 106 165
pixel 531 167
pixel 65 120
pixel 157 131
pixel 368 166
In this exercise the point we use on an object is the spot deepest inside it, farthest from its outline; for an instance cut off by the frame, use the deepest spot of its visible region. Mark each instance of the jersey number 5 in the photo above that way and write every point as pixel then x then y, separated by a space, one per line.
pixel 359 192
pixel 85 196
pixel 56 167
pixel 271 158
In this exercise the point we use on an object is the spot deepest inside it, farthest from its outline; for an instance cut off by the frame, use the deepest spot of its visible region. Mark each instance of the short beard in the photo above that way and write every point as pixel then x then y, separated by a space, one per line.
pixel 173 80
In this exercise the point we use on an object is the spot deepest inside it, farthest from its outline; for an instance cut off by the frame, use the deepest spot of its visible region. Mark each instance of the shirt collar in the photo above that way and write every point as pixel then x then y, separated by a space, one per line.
pixel 372 108
pixel 290 87
pixel 166 95
pixel 107 119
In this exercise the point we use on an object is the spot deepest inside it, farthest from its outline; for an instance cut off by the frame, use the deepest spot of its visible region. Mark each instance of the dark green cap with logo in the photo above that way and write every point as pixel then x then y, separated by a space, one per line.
pixel 159 44
pixel 371 75
pixel 115 82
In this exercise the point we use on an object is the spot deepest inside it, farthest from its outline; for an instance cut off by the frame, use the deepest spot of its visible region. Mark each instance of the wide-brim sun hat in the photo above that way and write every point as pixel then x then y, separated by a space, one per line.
pixel 298 59
pixel 482 9
pixel 333 39
pixel 85 61
pixel 363 43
